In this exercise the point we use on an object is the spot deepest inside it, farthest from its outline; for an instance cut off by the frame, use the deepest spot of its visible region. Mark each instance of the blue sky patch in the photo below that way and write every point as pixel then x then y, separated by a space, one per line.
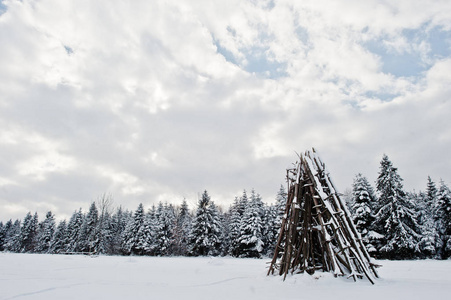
pixel 383 96
pixel 397 64
pixel 2 8
pixel 412 63
pixel 68 49
pixel 257 62
pixel 224 52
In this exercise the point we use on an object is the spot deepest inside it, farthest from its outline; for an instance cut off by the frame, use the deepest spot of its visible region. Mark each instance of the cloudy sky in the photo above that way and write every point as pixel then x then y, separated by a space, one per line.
pixel 158 100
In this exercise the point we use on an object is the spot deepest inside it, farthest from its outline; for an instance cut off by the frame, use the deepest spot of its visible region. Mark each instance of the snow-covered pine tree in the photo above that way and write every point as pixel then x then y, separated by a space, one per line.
pixel 89 236
pixel 242 203
pixel 2 236
pixel 279 207
pixel 105 236
pixel 205 234
pixel 28 233
pixel 281 202
pixel 74 232
pixel 131 239
pixel 425 203
pixel 118 223
pixel 147 233
pixel 251 236
pixel 216 230
pixel 271 228
pixel 59 239
pixel 12 235
pixel 431 191
pixel 443 219
pixel 234 229
pixel 182 229
pixel 396 218
pixel 45 234
pixel 362 211
pixel 164 238
pixel 104 225
pixel 225 233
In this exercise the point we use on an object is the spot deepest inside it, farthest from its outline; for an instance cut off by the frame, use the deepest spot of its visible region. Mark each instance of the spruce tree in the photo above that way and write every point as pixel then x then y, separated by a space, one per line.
pixel 396 218
pixel 2 236
pixel 46 232
pixel 89 233
pixel 234 229
pixel 118 223
pixel 132 241
pixel 59 239
pixel 182 229
pixel 251 229
pixel 12 236
pixel 225 233
pixel 426 203
pixel 104 243
pixel 205 235
pixel 242 203
pixel 164 234
pixel 148 233
pixel 74 232
pixel 281 202
pixel 362 210
pixel 28 232
pixel 443 219
pixel 271 228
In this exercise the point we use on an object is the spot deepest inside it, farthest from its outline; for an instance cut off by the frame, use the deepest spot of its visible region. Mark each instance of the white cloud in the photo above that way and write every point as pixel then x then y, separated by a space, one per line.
pixel 160 100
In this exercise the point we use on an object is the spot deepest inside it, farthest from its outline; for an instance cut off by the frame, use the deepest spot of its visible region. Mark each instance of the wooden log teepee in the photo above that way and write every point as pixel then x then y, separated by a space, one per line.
pixel 317 232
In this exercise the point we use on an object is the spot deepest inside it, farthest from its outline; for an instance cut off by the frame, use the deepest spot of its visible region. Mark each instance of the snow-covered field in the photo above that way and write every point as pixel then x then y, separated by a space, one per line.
pixel 38 276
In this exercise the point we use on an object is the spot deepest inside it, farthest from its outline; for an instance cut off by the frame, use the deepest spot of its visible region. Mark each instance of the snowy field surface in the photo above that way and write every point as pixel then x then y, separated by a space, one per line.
pixel 40 276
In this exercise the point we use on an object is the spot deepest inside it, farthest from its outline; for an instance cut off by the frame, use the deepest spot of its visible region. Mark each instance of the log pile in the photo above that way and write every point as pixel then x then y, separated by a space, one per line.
pixel 317 232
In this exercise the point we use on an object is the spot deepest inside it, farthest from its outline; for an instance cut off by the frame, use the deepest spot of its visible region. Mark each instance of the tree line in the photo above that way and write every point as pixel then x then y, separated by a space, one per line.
pixel 396 224
pixel 393 224
pixel 247 229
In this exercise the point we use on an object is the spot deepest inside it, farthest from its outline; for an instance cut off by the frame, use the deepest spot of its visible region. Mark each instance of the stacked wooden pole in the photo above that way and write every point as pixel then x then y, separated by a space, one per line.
pixel 317 232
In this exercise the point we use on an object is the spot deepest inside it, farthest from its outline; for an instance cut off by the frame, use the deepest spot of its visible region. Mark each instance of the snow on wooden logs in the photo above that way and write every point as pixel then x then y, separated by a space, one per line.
pixel 317 232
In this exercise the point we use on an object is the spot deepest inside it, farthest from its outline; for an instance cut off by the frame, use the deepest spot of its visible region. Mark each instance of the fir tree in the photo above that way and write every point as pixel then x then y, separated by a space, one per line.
pixel 234 229
pixel 105 235
pixel 59 239
pixel 89 236
pixel 118 223
pixel 104 230
pixel 46 232
pixel 131 239
pixel 362 210
pixel 281 202
pixel 12 236
pixel 2 236
pixel 225 233
pixel 426 202
pixel 396 218
pixel 206 229
pixel 28 233
pixel 74 232
pixel 182 229
pixel 271 228
pixel 242 203
pixel 251 236
pixel 443 219
pixel 148 232
pixel 165 234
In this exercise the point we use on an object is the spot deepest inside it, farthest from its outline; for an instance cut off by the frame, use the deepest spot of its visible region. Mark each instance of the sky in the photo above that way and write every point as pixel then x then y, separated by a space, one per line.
pixel 150 101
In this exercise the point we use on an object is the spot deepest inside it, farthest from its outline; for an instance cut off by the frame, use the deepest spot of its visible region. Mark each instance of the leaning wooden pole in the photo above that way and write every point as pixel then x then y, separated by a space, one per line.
pixel 317 232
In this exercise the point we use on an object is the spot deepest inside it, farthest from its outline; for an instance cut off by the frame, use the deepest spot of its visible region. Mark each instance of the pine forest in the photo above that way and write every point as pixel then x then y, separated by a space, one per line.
pixel 393 224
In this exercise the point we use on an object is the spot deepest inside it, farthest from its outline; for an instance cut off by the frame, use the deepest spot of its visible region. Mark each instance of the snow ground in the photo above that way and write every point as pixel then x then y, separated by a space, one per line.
pixel 40 276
